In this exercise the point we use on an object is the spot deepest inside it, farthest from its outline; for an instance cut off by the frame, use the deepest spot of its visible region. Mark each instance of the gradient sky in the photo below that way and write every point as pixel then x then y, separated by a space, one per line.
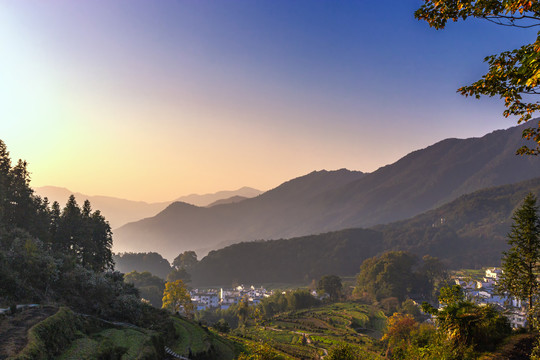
pixel 150 100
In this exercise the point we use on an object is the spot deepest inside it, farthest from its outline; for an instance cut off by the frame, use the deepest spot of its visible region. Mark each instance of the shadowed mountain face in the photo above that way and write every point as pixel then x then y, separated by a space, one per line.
pixel 468 232
pixel 332 200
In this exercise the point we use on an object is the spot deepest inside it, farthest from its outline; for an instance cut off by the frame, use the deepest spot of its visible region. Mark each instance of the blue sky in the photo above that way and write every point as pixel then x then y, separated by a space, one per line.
pixel 150 100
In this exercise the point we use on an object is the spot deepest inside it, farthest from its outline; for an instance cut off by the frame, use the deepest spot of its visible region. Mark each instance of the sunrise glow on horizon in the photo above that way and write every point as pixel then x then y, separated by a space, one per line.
pixel 149 100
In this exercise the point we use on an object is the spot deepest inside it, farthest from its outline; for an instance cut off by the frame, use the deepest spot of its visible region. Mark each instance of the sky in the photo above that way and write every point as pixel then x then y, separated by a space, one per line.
pixel 150 100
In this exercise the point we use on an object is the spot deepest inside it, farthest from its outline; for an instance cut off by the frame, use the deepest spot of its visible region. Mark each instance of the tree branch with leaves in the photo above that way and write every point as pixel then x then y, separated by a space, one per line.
pixel 512 75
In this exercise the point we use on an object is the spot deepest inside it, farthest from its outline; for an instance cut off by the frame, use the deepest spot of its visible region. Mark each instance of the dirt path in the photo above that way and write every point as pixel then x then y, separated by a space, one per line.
pixel 14 329
pixel 519 347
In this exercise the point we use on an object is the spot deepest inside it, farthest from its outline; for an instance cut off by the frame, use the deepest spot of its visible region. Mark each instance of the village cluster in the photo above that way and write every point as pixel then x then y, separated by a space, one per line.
pixel 484 292
pixel 481 292
pixel 224 298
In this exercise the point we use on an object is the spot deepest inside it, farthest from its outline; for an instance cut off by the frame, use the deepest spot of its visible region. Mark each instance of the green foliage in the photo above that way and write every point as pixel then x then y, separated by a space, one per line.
pixel 260 352
pixel 291 300
pixel 469 232
pixel 150 287
pixel 84 235
pixel 331 285
pixel 152 262
pixel 300 260
pixel 186 260
pixel 50 337
pixel 179 274
pixel 67 335
pixel 222 326
pixel 198 342
pixel 343 352
pixel 512 75
pixel 466 324
pixel 309 333
pixel 396 274
pixel 521 264
pixel 42 248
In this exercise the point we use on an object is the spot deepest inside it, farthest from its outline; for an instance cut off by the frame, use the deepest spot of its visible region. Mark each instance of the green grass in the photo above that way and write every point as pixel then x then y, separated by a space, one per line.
pixel 195 338
pixel 83 348
pixel 127 343
pixel 66 335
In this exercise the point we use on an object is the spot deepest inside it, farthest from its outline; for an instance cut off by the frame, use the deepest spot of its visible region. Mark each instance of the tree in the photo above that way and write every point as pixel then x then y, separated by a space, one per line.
pixel 260 351
pixel 179 274
pixel 331 285
pixel 388 275
pixel 512 75
pixel 343 351
pixel 151 287
pixel 83 234
pixel 243 310
pixel 399 329
pixel 186 260
pixel 520 263
pixel 465 323
pixel 177 298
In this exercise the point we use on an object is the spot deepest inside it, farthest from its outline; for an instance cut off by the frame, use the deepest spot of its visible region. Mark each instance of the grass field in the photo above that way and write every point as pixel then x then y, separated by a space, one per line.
pixel 196 339
pixel 125 343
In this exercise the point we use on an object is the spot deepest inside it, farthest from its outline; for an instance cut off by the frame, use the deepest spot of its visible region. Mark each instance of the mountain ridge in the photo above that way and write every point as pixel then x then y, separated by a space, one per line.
pixel 332 200
pixel 119 211
pixel 468 232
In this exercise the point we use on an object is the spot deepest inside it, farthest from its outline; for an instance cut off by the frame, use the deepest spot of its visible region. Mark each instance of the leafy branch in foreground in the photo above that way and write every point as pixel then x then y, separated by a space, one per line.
pixel 512 75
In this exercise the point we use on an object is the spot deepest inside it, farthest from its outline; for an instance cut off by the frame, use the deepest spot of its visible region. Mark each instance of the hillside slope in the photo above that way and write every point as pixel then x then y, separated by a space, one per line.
pixel 467 232
pixel 121 211
pixel 326 201
pixel 182 226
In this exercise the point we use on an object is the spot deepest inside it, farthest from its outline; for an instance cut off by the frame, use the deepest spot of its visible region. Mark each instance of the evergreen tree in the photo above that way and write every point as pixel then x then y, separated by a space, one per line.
pixel 520 264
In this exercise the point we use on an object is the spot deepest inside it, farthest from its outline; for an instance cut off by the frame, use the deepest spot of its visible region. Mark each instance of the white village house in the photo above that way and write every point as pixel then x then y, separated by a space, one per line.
pixel 484 292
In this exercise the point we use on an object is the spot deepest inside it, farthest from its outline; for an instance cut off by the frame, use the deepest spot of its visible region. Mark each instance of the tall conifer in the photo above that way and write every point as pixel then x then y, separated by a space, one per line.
pixel 521 263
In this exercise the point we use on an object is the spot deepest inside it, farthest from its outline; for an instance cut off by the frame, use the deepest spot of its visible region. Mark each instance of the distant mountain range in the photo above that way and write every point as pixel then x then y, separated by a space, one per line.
pixel 121 211
pixel 468 232
pixel 211 199
pixel 325 201
pixel 231 200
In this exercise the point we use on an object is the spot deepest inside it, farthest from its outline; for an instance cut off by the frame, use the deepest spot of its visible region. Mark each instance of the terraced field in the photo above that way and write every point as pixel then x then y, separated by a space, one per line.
pixel 194 339
pixel 309 334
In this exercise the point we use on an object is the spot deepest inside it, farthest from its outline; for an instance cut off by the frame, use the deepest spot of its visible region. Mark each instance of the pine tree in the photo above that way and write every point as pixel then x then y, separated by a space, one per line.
pixel 521 264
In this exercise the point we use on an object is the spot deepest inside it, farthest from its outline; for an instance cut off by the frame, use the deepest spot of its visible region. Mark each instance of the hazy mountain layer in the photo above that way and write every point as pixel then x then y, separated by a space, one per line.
pixel 468 232
pixel 209 199
pixel 117 211
pixel 182 226
pixel 332 200
pixel 231 200
pixel 121 211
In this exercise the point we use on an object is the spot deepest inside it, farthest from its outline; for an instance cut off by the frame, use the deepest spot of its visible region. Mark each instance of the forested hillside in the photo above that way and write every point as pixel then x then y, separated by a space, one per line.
pixel 468 232
pixel 334 200
pixel 60 261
